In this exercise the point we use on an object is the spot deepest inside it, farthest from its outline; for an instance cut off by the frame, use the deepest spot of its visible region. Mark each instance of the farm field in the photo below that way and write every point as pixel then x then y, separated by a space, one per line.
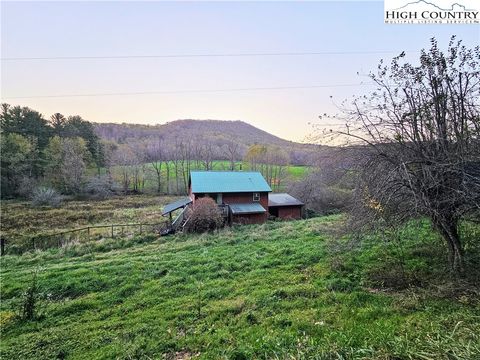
pixel 282 290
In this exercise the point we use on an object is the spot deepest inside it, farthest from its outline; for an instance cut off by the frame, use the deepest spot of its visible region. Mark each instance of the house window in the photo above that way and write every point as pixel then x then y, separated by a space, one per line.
pixel 256 196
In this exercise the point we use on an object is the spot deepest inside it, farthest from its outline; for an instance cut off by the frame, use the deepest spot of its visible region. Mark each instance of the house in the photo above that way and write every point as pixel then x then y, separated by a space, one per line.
pixel 244 197
pixel 285 206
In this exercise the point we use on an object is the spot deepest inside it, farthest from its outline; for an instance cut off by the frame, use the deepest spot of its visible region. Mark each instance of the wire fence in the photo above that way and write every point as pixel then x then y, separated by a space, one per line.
pixel 24 244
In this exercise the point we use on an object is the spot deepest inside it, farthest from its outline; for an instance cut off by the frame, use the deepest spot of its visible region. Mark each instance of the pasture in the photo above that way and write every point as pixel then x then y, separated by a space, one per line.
pixel 282 290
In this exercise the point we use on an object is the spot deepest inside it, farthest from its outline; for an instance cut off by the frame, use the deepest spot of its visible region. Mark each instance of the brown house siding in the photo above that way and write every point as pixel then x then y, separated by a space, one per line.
pixel 289 212
pixel 245 198
pixel 249 218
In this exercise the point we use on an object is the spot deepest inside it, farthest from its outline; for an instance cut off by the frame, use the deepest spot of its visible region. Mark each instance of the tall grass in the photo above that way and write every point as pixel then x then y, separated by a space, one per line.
pixel 291 290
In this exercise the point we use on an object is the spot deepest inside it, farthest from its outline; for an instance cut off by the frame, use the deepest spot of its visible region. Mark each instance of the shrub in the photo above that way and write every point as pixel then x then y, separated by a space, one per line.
pixel 26 186
pixel 44 196
pixel 205 216
pixel 100 187
pixel 30 298
pixel 324 192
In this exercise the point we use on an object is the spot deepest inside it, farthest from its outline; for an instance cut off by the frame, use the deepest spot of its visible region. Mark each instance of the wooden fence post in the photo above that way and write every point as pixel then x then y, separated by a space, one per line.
pixel 2 246
pixel 112 232
pixel 88 233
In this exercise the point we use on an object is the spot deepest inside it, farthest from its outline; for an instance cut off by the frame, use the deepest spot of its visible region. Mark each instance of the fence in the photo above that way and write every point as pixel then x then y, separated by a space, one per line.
pixel 60 239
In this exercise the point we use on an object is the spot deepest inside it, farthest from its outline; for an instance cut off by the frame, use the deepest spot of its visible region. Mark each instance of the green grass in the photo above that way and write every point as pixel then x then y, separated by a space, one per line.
pixel 294 290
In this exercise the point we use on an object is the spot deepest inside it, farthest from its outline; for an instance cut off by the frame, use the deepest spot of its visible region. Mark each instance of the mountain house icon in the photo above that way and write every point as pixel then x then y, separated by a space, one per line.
pixel 427 4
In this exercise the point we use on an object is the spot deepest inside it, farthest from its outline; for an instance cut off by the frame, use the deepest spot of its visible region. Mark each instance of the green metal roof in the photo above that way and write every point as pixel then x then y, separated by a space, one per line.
pixel 250 208
pixel 227 182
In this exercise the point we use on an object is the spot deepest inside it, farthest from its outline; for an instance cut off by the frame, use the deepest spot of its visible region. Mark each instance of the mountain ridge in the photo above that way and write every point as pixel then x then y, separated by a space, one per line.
pixel 216 132
pixel 228 128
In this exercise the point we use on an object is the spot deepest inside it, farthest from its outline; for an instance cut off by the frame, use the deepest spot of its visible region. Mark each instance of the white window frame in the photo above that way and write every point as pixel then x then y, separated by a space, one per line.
pixel 256 196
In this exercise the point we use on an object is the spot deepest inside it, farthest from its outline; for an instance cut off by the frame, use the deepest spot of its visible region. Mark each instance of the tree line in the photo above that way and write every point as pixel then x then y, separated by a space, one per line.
pixel 167 162
pixel 67 155
pixel 56 150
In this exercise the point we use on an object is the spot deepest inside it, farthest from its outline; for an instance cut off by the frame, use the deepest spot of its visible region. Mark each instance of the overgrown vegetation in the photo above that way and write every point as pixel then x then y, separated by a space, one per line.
pixel 20 219
pixel 44 196
pixel 420 129
pixel 204 216
pixel 279 290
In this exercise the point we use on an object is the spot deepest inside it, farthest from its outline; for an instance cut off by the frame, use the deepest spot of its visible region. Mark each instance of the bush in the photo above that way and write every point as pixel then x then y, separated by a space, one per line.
pixel 324 192
pixel 100 187
pixel 30 298
pixel 26 186
pixel 44 196
pixel 205 216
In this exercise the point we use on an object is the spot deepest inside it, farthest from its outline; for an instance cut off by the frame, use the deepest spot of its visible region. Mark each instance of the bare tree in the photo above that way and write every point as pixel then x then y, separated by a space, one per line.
pixel 138 166
pixel 124 158
pixel 207 154
pixel 169 155
pixel 176 161
pixel 277 162
pixel 270 160
pixel 185 161
pixel 421 127
pixel 156 156
pixel 232 149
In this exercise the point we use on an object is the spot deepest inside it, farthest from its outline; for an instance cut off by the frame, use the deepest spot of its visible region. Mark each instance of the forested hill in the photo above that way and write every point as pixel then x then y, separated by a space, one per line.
pixel 215 132
pixel 207 129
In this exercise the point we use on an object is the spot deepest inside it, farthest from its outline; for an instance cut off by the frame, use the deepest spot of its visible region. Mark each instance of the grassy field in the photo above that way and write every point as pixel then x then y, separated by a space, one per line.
pixel 293 290
pixel 21 221
pixel 21 218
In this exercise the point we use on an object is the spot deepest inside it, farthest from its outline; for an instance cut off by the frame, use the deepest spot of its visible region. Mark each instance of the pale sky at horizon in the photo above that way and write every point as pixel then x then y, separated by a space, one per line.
pixel 79 29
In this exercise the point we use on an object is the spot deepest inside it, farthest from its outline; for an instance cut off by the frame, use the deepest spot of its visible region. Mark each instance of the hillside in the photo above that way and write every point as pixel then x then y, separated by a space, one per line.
pixel 213 131
pixel 280 290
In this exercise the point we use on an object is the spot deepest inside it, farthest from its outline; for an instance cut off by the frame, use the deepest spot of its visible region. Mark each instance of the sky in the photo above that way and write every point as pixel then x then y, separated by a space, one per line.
pixel 353 30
